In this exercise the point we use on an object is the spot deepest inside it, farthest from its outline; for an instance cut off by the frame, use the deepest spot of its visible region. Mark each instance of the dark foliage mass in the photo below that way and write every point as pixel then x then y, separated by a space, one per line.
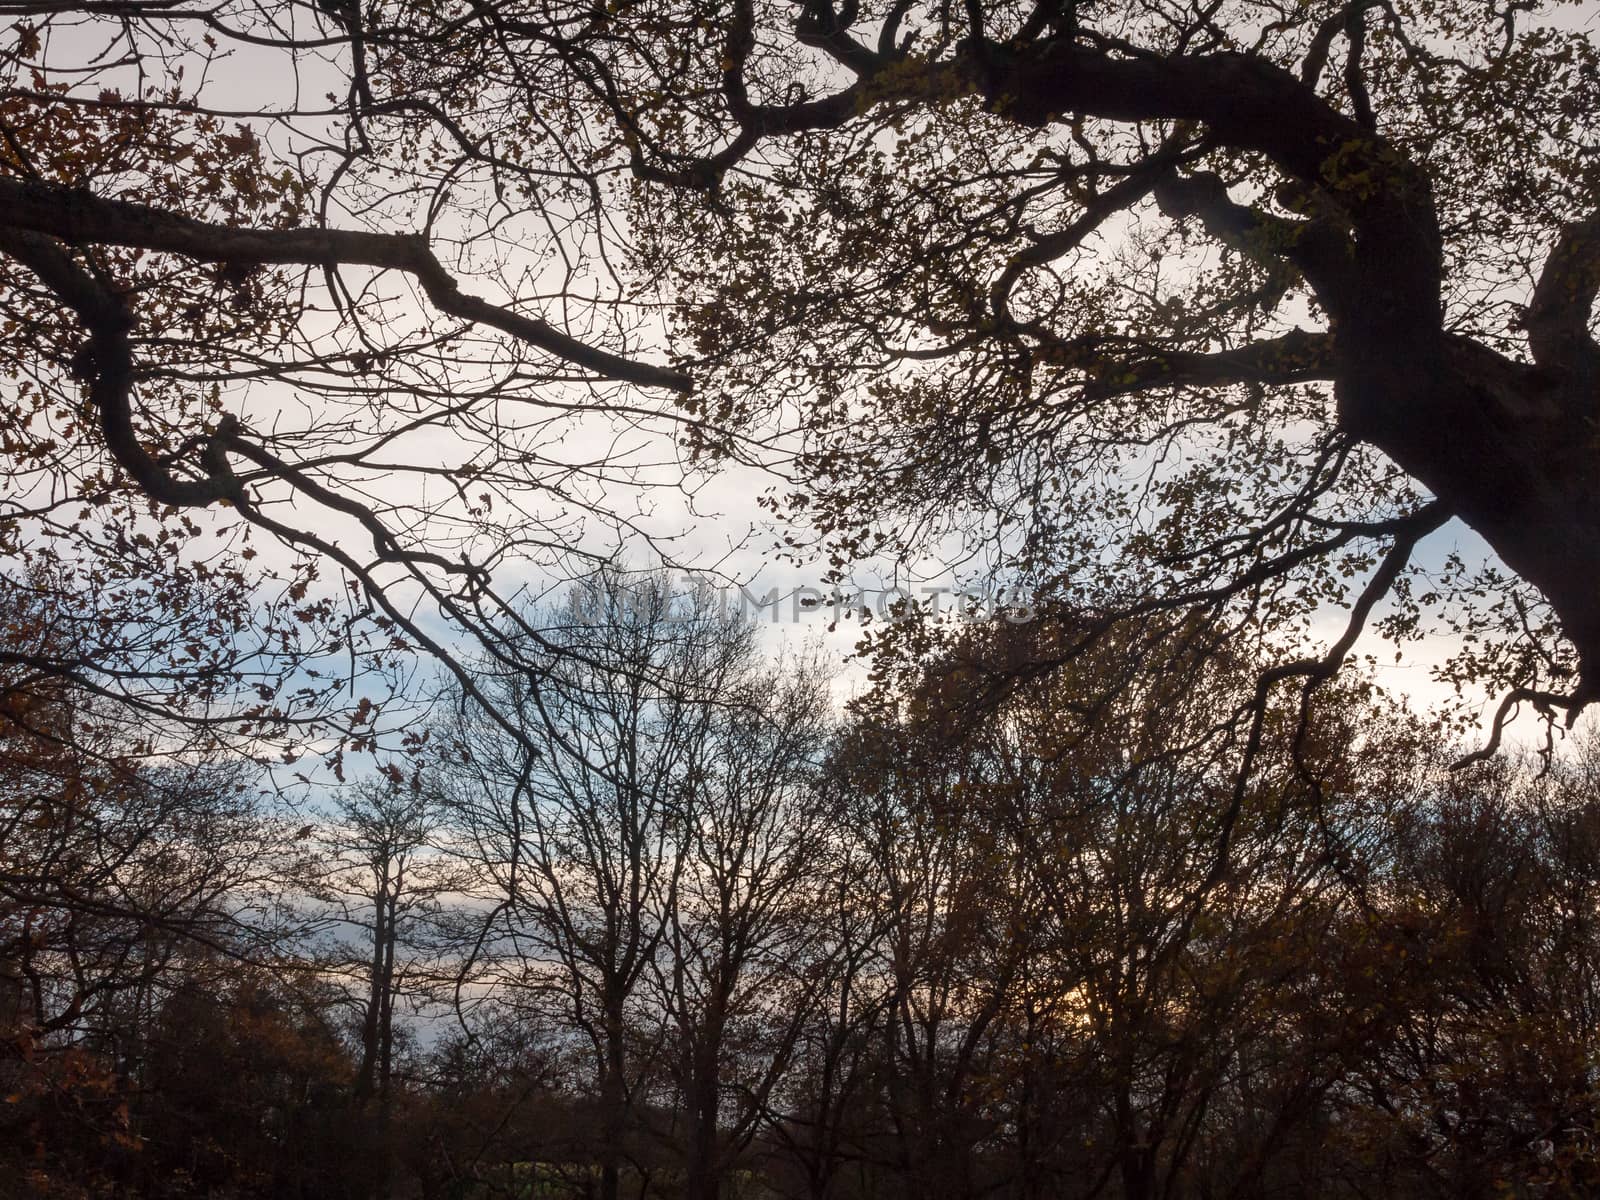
pixel 366 831
pixel 1217 308
pixel 682 934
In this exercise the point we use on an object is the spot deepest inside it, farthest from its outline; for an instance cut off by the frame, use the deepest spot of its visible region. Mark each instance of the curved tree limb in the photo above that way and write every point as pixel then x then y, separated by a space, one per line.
pixel 109 362
pixel 1317 248
pixel 1295 357
pixel 1558 317
pixel 78 217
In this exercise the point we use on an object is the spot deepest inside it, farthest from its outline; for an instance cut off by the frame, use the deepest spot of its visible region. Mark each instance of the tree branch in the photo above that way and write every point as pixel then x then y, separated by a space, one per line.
pixel 1295 357
pixel 1558 317
pixel 1123 194
pixel 77 217
pixel 109 359
pixel 1319 249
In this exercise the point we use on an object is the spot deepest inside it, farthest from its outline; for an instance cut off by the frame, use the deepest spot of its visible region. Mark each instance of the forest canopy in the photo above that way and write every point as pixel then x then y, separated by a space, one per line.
pixel 684 934
pixel 1219 308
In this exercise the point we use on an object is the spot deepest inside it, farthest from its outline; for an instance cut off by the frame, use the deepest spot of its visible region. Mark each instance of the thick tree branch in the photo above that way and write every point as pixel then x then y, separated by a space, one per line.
pixel 820 26
pixel 77 217
pixel 109 361
pixel 1295 357
pixel 1558 317
pixel 1243 102
pixel 1248 104
pixel 1319 249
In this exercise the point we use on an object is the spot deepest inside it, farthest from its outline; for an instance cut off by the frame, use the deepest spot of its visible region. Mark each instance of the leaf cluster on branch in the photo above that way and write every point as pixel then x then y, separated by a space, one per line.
pixel 1226 306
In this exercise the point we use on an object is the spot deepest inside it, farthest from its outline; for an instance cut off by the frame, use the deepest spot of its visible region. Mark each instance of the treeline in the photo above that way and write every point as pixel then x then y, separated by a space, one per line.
pixel 653 920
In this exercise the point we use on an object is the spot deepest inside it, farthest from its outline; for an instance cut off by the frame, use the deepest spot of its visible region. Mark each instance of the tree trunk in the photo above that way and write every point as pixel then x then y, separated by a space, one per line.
pixel 366 1072
pixel 613 1105
pixel 381 1181
pixel 703 1168
pixel 1510 450
pixel 703 1177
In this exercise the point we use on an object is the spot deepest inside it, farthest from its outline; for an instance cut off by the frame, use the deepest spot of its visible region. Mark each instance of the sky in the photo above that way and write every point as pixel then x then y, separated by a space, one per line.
pixel 715 528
